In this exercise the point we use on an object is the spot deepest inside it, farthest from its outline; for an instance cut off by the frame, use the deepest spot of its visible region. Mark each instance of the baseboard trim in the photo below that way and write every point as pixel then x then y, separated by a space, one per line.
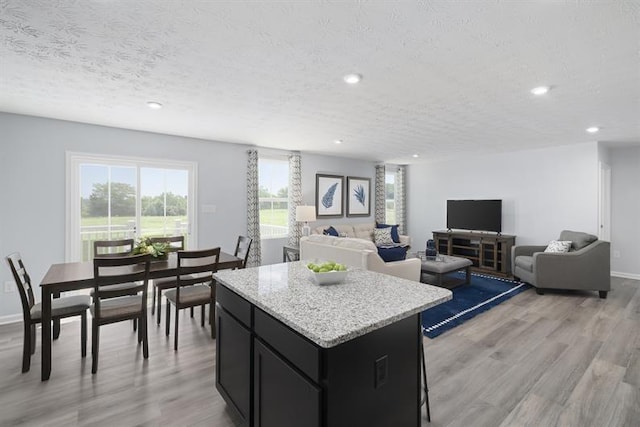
pixel 12 318
pixel 625 275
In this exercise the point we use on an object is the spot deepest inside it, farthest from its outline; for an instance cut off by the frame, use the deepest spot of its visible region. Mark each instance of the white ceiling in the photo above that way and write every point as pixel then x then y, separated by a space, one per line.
pixel 440 77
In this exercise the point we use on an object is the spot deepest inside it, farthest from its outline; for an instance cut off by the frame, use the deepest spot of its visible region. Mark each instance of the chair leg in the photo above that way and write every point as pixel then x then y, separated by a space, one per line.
pixel 153 304
pixel 56 328
pixel 83 333
pixel 145 336
pixel 32 340
pixel 603 294
pixel 135 325
pixel 167 320
pixel 26 348
pixel 175 338
pixel 202 315
pixel 191 309
pixel 539 291
pixel 424 379
pixel 95 344
pixel 139 331
pixel 158 309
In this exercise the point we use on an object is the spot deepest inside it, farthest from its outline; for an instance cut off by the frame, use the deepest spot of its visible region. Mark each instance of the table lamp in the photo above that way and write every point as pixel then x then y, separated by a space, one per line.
pixel 305 214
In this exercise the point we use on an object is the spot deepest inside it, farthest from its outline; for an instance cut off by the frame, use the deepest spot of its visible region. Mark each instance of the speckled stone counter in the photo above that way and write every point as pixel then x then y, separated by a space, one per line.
pixel 330 315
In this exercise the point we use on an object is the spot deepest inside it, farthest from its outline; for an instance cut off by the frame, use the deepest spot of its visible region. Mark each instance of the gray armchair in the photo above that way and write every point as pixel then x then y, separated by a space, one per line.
pixel 587 265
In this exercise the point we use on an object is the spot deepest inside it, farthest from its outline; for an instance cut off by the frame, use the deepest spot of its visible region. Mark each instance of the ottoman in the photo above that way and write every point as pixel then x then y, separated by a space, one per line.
pixel 446 264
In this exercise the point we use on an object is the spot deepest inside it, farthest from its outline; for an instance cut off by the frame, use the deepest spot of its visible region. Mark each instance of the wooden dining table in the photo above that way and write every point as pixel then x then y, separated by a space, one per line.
pixel 73 276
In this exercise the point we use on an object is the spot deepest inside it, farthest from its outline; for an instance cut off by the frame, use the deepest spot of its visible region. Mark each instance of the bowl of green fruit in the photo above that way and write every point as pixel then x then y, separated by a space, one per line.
pixel 327 273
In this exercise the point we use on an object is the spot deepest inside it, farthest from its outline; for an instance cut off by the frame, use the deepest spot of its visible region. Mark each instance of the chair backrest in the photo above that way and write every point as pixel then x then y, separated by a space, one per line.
pixel 176 243
pixel 112 248
pixel 242 249
pixel 23 283
pixel 109 271
pixel 196 267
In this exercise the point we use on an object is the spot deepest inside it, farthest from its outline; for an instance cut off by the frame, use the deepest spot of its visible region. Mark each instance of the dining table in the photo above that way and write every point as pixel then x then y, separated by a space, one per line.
pixel 73 276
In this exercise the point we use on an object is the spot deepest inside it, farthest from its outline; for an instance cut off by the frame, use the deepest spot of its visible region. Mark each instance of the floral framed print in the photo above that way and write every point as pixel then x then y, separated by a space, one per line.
pixel 329 196
pixel 358 196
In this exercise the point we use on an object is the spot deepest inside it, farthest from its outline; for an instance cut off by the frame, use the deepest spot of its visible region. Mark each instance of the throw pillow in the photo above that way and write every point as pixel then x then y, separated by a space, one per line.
pixel 382 237
pixel 330 232
pixel 558 246
pixel 393 254
pixel 394 231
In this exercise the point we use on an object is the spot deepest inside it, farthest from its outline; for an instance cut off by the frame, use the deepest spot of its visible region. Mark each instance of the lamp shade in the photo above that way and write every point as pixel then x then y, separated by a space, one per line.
pixel 305 213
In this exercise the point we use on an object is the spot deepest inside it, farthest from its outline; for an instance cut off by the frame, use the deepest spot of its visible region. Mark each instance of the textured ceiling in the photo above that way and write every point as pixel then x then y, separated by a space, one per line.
pixel 440 77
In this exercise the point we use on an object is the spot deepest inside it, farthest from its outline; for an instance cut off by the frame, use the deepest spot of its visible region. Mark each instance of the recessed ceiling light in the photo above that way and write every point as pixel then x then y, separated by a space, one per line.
pixel 338 141
pixel 352 78
pixel 593 129
pixel 154 105
pixel 415 156
pixel 540 90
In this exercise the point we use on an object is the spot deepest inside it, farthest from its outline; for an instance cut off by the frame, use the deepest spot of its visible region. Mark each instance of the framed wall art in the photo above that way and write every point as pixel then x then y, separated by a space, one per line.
pixel 358 196
pixel 329 196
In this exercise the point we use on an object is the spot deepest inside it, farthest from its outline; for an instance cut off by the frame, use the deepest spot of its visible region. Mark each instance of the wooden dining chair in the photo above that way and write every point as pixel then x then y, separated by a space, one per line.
pixel 176 243
pixel 194 288
pixel 112 249
pixel 110 306
pixel 32 312
pixel 242 249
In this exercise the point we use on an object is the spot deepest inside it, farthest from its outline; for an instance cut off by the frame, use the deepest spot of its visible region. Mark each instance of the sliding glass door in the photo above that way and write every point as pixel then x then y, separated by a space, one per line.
pixel 112 198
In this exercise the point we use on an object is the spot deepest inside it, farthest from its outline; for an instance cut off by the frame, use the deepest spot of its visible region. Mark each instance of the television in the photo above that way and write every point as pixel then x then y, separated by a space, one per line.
pixel 481 215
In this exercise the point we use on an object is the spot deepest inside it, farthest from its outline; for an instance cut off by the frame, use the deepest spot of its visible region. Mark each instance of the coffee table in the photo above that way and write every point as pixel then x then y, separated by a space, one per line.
pixel 442 265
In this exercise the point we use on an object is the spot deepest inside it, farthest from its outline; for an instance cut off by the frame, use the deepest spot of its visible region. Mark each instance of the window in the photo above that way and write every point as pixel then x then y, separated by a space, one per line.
pixel 118 198
pixel 273 179
pixel 389 197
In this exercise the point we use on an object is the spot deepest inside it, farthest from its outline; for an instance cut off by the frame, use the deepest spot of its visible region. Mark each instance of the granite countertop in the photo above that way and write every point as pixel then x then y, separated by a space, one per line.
pixel 330 315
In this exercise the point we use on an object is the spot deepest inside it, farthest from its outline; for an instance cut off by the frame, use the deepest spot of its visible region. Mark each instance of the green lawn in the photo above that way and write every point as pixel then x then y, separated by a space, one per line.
pixel 274 217
pixel 147 222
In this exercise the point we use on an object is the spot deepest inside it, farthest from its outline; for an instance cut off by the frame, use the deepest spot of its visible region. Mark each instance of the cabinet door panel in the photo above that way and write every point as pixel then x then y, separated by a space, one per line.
pixel 282 396
pixel 233 363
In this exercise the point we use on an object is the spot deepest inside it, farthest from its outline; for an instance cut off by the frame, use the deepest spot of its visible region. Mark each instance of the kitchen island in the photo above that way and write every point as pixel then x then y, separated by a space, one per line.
pixel 294 353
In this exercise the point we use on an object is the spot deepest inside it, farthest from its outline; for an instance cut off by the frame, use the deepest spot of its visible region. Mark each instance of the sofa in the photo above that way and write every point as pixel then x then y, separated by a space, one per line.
pixel 360 231
pixel 587 265
pixel 356 252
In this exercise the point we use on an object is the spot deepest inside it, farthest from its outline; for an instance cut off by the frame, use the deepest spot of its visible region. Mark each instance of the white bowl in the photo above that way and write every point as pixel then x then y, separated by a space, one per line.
pixel 328 277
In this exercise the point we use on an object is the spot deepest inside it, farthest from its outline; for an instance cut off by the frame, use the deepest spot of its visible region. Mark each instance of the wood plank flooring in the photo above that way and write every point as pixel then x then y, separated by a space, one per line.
pixel 560 359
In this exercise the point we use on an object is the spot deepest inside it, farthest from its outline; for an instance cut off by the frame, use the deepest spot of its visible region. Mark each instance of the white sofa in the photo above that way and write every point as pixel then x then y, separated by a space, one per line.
pixel 356 252
pixel 361 231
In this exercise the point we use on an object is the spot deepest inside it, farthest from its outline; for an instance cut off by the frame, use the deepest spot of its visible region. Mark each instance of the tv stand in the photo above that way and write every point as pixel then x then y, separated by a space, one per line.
pixel 489 253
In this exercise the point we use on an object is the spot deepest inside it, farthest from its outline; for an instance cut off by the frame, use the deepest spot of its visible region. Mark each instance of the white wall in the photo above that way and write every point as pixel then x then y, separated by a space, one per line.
pixel 543 191
pixel 32 173
pixel 625 211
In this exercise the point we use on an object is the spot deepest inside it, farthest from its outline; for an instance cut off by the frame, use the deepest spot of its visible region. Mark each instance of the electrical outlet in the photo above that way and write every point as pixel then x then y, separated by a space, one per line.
pixel 616 254
pixel 381 371
pixel 9 287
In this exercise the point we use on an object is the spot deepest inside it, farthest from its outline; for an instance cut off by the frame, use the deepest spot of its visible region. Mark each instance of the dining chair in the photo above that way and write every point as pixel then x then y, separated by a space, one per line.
pixel 176 243
pixel 115 248
pixel 195 287
pixel 32 311
pixel 242 249
pixel 110 306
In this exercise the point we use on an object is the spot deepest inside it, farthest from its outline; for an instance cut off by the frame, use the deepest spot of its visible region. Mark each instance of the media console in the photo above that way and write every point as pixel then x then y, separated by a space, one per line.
pixel 489 253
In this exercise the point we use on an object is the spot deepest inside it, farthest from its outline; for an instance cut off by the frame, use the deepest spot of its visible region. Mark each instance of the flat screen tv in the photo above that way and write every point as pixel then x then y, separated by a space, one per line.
pixel 481 215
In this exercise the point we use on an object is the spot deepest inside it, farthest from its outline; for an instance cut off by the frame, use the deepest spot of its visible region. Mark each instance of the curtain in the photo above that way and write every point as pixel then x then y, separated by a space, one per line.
pixel 380 202
pixel 400 196
pixel 253 209
pixel 295 198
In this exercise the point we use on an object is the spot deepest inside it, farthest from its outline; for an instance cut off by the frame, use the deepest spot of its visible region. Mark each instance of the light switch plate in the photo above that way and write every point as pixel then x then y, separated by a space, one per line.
pixel 9 287
pixel 208 208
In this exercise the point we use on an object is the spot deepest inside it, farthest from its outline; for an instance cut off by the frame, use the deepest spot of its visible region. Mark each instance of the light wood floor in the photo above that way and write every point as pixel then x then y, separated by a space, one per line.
pixel 562 359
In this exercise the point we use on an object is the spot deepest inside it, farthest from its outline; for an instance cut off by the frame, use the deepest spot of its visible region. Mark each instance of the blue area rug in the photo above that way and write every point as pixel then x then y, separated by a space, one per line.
pixel 468 301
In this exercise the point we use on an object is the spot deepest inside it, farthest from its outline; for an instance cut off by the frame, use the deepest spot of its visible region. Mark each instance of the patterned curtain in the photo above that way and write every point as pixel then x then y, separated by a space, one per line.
pixel 253 209
pixel 400 196
pixel 295 198
pixel 380 202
